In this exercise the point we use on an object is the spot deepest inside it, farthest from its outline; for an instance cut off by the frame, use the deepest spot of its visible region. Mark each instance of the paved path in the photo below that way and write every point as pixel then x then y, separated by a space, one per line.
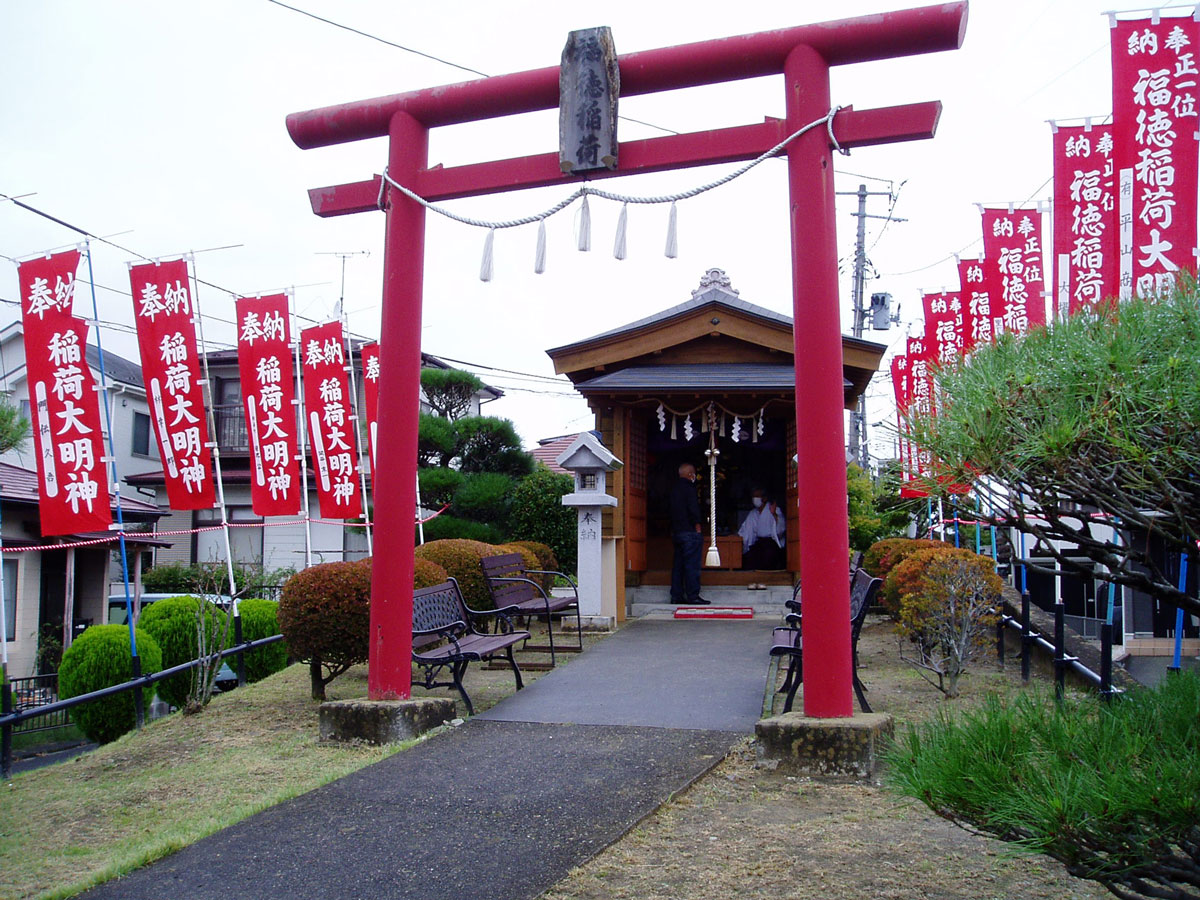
pixel 504 806
pixel 660 673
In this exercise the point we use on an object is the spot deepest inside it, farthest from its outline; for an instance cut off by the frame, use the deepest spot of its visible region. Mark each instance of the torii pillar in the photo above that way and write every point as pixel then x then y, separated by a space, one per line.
pixel 803 55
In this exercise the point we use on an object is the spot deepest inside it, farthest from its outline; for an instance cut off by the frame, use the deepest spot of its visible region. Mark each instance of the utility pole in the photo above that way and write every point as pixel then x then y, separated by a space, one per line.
pixel 856 444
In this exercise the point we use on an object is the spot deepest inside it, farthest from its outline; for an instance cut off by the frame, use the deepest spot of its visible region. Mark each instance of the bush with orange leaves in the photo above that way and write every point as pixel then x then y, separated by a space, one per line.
pixel 948 612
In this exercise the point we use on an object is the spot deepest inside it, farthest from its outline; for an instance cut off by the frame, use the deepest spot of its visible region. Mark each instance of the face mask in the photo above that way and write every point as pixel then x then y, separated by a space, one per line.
pixel 757 501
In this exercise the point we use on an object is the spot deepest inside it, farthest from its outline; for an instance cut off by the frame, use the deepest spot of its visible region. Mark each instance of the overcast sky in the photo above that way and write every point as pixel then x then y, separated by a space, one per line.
pixel 166 121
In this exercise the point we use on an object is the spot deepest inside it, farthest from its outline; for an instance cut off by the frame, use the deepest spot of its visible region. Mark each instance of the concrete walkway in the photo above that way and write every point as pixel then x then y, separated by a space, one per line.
pixel 504 806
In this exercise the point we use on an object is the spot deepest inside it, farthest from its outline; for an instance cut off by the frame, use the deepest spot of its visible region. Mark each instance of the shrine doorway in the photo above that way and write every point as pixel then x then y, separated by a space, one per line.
pixel 652 385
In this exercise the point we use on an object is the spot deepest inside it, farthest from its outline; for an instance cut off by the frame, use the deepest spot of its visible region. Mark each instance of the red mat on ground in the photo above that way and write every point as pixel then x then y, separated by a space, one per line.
pixel 715 612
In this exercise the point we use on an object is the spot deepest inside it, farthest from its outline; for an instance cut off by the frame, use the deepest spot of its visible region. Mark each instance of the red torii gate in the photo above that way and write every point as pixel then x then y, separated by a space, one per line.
pixel 804 56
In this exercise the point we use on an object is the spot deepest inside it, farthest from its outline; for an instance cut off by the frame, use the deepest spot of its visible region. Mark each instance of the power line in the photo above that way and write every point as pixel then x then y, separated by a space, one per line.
pixel 374 37
pixel 83 231
pixel 446 62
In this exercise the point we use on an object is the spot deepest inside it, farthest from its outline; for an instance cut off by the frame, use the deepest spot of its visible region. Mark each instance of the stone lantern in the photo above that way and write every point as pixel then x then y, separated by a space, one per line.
pixel 589 462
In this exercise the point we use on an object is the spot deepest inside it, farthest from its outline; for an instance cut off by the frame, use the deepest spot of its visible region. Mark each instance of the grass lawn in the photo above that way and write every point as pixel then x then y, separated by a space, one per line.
pixel 66 827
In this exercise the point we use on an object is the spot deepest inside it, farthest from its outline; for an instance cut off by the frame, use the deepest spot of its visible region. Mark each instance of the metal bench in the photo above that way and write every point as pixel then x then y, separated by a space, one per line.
pixel 788 641
pixel 445 637
pixel 514 593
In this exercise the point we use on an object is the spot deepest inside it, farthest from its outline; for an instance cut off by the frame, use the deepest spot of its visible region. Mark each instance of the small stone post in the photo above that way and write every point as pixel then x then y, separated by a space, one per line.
pixel 589 461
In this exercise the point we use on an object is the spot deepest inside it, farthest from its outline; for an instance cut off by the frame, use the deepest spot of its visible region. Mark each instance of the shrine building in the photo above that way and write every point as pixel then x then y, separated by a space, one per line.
pixel 714 371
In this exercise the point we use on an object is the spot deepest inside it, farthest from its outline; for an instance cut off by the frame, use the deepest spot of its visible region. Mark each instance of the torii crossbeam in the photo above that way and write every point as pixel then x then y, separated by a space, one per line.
pixel 803 55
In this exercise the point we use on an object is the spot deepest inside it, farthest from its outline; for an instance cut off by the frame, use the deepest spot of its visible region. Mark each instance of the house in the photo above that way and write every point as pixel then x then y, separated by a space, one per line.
pixel 280 541
pixel 43 588
pixel 133 444
pixel 548 450
pixel 714 371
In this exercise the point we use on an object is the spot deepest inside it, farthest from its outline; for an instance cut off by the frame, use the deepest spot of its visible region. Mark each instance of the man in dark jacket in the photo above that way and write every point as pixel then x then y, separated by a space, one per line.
pixel 686 535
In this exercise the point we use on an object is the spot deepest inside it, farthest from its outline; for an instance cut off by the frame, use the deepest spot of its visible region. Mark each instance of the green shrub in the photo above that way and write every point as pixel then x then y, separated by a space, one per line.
pixel 447 527
pixel 210 578
pixel 172 623
pixel 948 603
pixel 484 497
pixel 437 485
pixel 260 619
pixel 538 514
pixel 489 444
pixel 427 573
pixel 436 440
pixel 460 559
pixel 1110 790
pixel 100 658
pixel 325 616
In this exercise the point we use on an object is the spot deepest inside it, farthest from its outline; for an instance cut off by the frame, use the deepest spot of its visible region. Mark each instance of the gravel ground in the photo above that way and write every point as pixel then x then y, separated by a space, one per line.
pixel 747 831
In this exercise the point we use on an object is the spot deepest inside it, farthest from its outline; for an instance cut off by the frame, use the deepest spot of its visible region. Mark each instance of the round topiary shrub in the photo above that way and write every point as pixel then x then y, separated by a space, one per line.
pixel 460 559
pixel 885 555
pixel 545 554
pixel 173 624
pixel 260 619
pixel 325 615
pixel 889 596
pixel 545 560
pixel 427 573
pixel 100 658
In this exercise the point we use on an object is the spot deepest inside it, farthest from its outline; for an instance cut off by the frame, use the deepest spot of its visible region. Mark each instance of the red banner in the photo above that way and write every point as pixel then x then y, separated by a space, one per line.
pixel 1085 233
pixel 977 307
pixel 63 404
pixel 943 327
pixel 268 401
pixel 1156 156
pixel 164 312
pixel 370 364
pixel 1013 270
pixel 330 425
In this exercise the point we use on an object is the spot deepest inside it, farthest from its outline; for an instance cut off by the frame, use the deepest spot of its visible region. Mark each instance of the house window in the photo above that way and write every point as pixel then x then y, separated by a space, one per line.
pixel 143 444
pixel 10 599
pixel 246 544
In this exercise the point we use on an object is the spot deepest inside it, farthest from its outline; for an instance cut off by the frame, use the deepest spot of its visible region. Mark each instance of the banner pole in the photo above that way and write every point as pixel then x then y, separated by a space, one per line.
pixel 302 436
pixel 214 445
pixel 114 477
pixel 357 416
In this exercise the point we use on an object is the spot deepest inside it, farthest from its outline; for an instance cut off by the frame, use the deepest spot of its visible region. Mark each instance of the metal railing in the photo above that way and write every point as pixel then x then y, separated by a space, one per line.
pixel 1057 648
pixel 37 692
pixel 11 717
pixel 230 420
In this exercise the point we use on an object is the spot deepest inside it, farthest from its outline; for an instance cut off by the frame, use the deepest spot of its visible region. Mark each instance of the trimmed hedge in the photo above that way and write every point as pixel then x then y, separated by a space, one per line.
pixel 100 658
pixel 545 555
pixel 260 619
pixel 172 622
pixel 885 555
pixel 325 616
pixel 427 573
pixel 460 559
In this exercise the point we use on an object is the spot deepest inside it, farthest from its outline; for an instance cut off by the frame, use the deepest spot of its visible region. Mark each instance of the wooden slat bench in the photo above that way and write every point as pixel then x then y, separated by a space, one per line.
pixel 788 642
pixel 445 637
pixel 514 593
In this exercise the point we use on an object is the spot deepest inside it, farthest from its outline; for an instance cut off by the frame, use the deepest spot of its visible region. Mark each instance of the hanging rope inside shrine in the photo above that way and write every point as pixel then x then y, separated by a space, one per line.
pixel 715 419
pixel 712 559
pixel 671 249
